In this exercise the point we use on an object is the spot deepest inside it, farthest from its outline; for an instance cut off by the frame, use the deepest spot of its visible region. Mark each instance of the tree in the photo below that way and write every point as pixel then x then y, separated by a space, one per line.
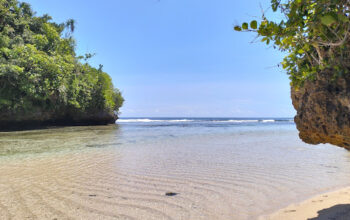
pixel 40 73
pixel 314 33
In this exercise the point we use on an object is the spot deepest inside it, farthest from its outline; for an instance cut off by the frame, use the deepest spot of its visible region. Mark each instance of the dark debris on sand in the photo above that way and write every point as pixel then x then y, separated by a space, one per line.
pixel 170 194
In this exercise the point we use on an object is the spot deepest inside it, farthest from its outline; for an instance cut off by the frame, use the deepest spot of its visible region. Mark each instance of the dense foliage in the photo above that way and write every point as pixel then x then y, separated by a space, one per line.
pixel 313 33
pixel 40 71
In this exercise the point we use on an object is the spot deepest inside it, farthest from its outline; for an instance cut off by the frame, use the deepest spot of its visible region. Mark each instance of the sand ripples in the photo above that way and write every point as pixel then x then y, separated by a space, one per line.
pixel 64 188
pixel 222 176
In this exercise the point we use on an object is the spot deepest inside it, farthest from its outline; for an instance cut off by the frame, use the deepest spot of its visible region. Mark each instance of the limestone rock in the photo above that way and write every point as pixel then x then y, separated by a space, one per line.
pixel 40 119
pixel 323 110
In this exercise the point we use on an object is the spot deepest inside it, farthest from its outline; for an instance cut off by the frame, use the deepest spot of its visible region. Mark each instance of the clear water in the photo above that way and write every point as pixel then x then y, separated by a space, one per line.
pixel 254 165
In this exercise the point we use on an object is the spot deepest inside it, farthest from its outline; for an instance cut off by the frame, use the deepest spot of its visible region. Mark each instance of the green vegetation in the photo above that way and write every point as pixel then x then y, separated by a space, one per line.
pixel 313 33
pixel 40 72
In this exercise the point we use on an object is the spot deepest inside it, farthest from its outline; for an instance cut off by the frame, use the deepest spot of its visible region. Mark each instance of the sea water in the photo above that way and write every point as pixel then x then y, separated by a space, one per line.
pixel 222 168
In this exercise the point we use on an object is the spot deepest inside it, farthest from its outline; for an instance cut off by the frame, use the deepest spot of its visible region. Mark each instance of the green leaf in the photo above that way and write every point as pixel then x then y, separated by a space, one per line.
pixel 275 4
pixel 300 51
pixel 306 47
pixel 284 64
pixel 237 28
pixel 328 20
pixel 254 24
pixel 245 26
pixel 343 18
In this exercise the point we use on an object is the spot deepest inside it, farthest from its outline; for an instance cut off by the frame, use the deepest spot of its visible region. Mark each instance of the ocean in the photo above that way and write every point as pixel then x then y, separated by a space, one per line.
pixel 214 168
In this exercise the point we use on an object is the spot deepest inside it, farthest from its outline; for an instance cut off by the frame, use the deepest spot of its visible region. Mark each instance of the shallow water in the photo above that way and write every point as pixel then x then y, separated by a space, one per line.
pixel 219 168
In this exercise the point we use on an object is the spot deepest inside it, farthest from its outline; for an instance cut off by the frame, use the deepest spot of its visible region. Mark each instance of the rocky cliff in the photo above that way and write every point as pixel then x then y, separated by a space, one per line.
pixel 323 110
pixel 40 119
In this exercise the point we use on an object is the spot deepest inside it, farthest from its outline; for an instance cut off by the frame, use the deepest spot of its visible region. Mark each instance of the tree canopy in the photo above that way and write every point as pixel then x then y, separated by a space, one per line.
pixel 313 33
pixel 40 71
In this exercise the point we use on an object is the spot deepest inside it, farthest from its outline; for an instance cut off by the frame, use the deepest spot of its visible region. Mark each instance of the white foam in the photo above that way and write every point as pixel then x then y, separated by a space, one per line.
pixel 146 120
pixel 135 120
pixel 236 121
pixel 243 121
pixel 267 120
pixel 181 120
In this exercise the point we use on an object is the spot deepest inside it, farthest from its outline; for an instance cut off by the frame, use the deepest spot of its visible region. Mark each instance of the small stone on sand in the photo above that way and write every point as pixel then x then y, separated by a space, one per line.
pixel 170 194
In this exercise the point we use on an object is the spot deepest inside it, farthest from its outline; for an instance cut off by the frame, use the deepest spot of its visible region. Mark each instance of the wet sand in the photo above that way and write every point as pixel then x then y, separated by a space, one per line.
pixel 162 172
pixel 333 205
pixel 87 185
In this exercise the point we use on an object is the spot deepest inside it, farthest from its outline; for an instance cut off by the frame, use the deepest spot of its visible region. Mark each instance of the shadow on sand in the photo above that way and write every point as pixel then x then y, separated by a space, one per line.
pixel 337 212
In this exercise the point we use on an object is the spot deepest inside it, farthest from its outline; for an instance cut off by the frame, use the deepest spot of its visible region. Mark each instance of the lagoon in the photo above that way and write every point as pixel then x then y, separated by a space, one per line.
pixel 212 168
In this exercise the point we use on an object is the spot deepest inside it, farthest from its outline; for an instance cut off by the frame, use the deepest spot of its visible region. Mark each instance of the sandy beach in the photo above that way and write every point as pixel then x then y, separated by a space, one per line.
pixel 183 170
pixel 333 205
pixel 89 186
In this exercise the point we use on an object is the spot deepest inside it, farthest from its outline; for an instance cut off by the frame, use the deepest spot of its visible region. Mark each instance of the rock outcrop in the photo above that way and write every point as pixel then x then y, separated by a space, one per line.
pixel 45 119
pixel 323 110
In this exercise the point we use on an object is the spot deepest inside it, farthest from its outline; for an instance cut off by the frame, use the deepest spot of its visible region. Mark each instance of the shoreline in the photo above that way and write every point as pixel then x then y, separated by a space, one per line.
pixel 329 205
pixel 160 172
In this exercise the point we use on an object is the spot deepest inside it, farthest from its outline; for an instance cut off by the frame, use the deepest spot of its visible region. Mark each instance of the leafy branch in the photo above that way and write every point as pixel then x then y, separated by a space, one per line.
pixel 314 33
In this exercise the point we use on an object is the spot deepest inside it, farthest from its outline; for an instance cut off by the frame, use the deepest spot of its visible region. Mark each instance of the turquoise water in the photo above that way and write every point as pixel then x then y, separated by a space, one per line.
pixel 257 165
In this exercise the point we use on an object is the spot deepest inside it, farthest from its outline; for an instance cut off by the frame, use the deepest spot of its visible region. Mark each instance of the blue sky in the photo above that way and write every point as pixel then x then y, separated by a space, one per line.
pixel 180 57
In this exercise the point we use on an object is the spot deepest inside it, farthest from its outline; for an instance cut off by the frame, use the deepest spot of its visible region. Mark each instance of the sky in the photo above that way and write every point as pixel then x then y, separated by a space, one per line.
pixel 179 58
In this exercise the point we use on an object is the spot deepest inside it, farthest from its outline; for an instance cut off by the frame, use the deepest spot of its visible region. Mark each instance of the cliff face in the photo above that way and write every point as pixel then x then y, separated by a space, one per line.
pixel 323 110
pixel 40 119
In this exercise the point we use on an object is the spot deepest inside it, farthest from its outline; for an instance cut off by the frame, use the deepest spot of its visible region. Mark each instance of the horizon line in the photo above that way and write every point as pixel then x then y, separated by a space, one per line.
pixel 202 117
